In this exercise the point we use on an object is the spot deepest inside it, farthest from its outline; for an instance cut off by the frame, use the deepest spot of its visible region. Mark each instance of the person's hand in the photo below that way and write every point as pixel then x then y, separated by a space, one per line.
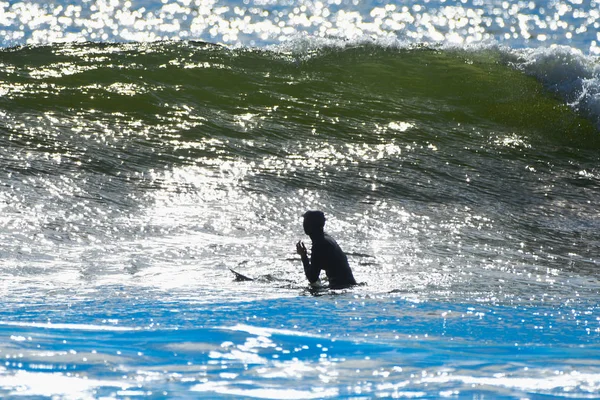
pixel 301 249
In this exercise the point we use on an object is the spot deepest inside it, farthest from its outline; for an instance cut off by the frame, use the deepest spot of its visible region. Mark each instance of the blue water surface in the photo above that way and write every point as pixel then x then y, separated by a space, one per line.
pixel 343 345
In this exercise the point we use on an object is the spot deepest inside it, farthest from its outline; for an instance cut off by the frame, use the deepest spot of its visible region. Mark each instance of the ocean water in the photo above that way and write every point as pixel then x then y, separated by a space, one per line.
pixel 147 147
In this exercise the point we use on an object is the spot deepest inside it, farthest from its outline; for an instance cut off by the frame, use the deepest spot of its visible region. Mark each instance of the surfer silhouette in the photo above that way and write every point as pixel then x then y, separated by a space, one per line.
pixel 326 254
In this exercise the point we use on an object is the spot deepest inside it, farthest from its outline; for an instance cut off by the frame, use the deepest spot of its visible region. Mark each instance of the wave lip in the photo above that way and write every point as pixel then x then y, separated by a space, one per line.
pixel 568 72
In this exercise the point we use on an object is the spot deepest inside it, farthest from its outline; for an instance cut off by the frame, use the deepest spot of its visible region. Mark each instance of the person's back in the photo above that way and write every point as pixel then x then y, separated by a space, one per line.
pixel 326 254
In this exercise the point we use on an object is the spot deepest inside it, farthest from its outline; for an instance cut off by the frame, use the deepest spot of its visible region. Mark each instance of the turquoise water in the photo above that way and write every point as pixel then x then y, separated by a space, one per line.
pixel 366 346
pixel 453 147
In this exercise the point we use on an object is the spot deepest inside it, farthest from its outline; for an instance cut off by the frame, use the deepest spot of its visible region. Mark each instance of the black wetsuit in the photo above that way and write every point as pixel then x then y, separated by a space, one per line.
pixel 327 255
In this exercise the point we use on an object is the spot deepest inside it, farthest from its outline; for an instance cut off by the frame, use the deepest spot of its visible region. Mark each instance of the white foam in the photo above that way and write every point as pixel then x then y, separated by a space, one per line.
pixel 566 71
pixel 25 383
pixel 266 332
pixel 76 327
pixel 264 393
pixel 586 381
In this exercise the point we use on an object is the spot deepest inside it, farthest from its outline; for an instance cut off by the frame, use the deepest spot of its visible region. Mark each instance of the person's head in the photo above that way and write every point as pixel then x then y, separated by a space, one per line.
pixel 314 221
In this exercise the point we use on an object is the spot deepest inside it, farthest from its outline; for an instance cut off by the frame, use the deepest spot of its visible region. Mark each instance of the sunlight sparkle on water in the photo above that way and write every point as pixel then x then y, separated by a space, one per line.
pixel 136 175
pixel 253 23
pixel 24 383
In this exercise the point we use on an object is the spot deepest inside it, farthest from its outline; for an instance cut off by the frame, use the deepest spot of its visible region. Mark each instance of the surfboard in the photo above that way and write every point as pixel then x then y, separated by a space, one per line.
pixel 240 277
pixel 318 288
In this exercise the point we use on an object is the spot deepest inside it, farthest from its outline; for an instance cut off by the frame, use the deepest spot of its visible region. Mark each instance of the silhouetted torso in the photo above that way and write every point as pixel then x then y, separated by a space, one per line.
pixel 328 256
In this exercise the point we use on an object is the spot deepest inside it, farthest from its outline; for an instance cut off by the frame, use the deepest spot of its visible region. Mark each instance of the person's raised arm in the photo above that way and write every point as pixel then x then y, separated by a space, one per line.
pixel 311 270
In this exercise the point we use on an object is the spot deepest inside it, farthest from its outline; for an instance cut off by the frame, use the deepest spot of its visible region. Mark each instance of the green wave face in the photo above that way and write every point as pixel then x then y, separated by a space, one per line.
pixel 333 91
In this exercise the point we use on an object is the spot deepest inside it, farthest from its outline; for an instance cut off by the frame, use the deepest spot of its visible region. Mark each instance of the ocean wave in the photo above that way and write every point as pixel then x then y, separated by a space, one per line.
pixel 182 85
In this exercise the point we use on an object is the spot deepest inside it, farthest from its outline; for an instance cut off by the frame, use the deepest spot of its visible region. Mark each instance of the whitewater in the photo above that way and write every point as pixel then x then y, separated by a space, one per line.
pixel 149 147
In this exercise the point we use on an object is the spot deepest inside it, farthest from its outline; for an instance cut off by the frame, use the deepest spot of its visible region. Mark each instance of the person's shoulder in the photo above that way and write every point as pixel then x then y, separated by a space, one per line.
pixel 323 241
pixel 329 240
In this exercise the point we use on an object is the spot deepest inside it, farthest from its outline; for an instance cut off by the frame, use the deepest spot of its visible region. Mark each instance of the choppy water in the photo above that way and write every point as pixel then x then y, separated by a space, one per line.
pixel 452 145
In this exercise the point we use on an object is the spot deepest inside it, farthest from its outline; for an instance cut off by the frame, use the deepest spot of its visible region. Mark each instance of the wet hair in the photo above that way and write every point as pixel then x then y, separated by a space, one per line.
pixel 314 219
